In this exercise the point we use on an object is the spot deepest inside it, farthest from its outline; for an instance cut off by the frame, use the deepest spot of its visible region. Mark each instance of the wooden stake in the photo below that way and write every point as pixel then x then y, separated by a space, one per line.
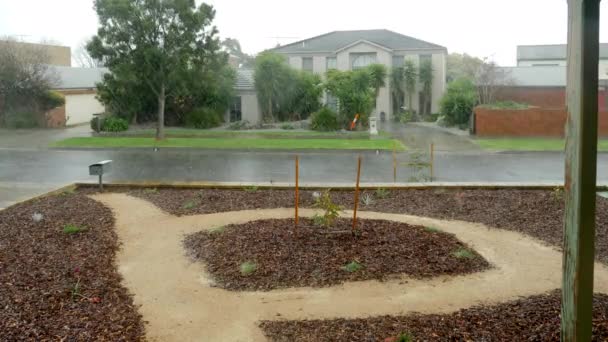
pixel 581 170
pixel 297 186
pixel 394 163
pixel 432 161
pixel 356 195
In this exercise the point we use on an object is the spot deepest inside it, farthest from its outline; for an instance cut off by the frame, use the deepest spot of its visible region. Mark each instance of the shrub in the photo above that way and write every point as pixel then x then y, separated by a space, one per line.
pixel 94 126
pixel 72 229
pixel 203 118
pixel 463 253
pixel 352 267
pixel 287 126
pixel 332 210
pixel 114 124
pixel 248 268
pixel 458 102
pixel 52 99
pixel 239 125
pixel 23 119
pixel 507 105
pixel 324 120
pixel 382 193
pixel 405 116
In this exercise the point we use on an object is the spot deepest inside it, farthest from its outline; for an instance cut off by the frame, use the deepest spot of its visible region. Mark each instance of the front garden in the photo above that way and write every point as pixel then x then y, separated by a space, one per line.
pixel 436 263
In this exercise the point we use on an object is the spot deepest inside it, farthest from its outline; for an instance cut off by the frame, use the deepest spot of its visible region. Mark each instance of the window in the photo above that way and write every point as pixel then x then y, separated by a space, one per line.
pixel 307 64
pixel 361 60
pixel 398 61
pixel 331 63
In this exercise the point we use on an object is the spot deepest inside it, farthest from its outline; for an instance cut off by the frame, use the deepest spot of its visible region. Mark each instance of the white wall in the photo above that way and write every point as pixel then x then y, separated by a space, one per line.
pixel 602 68
pixel 79 109
pixel 250 107
pixel 545 62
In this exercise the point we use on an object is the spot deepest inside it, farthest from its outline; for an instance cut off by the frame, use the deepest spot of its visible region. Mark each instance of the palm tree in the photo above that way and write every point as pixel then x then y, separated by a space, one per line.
pixel 410 74
pixel 426 79
pixel 397 88
pixel 378 75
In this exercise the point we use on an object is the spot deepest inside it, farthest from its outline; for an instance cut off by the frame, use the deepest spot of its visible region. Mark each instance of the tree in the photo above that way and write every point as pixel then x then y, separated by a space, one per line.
pixel 378 74
pixel 397 83
pixel 355 92
pixel 410 75
pixel 233 47
pixel 271 72
pixel 458 101
pixel 489 77
pixel 425 75
pixel 159 41
pixel 462 66
pixel 83 58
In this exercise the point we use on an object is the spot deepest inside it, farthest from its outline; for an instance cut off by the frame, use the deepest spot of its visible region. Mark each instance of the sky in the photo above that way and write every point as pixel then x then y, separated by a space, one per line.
pixel 483 28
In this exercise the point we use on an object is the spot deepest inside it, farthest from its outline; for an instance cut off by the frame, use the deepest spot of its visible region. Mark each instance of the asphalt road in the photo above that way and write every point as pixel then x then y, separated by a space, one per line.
pixel 27 172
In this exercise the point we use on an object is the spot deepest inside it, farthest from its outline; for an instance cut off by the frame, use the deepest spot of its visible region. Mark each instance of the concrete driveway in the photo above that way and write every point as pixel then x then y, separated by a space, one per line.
pixel 39 138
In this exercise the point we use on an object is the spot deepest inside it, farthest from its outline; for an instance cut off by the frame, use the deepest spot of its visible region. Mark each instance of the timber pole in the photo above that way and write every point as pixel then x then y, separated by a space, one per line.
pixel 580 173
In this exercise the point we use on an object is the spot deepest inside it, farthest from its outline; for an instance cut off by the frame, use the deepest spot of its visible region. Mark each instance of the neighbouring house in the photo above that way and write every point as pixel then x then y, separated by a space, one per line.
pixel 78 85
pixel 245 104
pixel 349 50
pixel 55 54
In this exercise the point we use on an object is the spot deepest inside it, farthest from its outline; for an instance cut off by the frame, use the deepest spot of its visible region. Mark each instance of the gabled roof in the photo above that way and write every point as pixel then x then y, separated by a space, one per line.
pixel 244 79
pixel 556 51
pixel 77 78
pixel 333 41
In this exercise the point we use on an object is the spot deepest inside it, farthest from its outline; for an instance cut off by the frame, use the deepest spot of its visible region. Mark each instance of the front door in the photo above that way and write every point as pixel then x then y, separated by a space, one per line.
pixel 236 110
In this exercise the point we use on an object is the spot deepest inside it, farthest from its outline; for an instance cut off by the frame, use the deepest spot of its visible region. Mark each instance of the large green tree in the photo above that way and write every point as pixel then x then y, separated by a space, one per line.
pixel 270 76
pixel 162 42
pixel 425 76
pixel 355 91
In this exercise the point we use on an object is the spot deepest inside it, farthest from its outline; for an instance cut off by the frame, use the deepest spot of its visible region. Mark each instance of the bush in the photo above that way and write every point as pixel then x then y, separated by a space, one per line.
pixel 287 126
pixel 52 99
pixel 239 125
pixel 324 120
pixel 458 102
pixel 114 124
pixel 507 105
pixel 21 119
pixel 94 125
pixel 203 118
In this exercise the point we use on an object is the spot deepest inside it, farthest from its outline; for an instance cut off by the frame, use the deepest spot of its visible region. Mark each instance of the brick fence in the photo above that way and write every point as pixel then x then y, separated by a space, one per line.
pixel 534 121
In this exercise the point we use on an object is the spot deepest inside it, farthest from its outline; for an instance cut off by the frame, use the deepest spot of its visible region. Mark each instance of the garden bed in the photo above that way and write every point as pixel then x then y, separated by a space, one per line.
pixel 58 274
pixel 271 254
pixel 538 213
pixel 535 318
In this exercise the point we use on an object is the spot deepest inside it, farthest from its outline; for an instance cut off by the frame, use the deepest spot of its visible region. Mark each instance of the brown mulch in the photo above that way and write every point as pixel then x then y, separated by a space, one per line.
pixel 538 213
pixel 315 256
pixel 40 266
pixel 534 318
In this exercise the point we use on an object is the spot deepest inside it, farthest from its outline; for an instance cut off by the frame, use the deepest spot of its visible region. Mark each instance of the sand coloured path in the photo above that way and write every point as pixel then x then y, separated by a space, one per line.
pixel 178 301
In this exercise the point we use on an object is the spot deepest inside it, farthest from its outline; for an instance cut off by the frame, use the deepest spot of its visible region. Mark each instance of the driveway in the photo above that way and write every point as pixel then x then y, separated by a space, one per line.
pixel 39 138
pixel 419 136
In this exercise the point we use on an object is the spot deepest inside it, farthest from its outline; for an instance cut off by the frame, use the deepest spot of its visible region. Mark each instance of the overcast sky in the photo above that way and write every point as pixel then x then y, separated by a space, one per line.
pixel 484 28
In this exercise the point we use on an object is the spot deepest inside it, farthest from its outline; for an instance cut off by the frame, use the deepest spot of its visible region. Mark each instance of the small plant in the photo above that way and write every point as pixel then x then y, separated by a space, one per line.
pixel 404 337
pixel 37 217
pixel 332 210
pixel 75 290
pixel 151 191
pixel 367 199
pixel 69 191
pixel 382 193
pixel 352 267
pixel 252 188
pixel 558 193
pixel 248 268
pixel 463 253
pixel 72 229
pixel 287 126
pixel 218 230
pixel 190 204
pixel 432 229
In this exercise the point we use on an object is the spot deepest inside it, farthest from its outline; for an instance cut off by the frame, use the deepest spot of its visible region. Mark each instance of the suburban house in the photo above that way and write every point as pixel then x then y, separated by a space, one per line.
pixel 349 50
pixel 54 54
pixel 245 104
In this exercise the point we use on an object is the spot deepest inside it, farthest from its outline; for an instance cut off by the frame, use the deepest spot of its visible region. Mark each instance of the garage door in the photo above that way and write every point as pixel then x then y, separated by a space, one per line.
pixel 80 108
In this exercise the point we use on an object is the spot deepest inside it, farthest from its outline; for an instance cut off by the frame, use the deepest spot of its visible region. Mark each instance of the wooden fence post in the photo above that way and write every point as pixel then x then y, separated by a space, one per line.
pixel 580 175
pixel 297 188
pixel 356 195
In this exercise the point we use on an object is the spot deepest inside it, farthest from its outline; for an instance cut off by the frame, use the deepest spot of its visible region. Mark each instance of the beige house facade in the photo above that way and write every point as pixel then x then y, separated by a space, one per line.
pixel 349 50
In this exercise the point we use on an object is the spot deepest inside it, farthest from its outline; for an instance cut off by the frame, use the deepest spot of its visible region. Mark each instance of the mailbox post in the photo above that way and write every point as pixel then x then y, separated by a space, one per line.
pixel 99 169
pixel 373 126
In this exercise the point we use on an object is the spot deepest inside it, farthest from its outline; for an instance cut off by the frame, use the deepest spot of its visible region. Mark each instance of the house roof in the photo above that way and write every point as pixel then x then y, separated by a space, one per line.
pixel 536 76
pixel 557 51
pixel 336 40
pixel 77 78
pixel 244 79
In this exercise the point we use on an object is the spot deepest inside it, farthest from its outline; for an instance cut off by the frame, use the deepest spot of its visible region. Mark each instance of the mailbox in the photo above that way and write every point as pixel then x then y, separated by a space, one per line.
pixel 99 169
pixel 373 126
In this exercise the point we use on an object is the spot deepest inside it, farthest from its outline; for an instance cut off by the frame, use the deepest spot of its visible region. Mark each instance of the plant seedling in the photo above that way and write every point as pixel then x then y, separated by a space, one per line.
pixel 151 191
pixel 332 210
pixel 218 230
pixel 248 268
pixel 463 253
pixel 352 267
pixel 382 193
pixel 432 229
pixel 72 229
pixel 558 193
pixel 367 200
pixel 404 337
pixel 252 188
pixel 190 204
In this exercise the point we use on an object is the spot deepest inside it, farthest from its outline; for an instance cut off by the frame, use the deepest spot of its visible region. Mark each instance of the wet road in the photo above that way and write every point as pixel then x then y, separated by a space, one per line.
pixel 24 173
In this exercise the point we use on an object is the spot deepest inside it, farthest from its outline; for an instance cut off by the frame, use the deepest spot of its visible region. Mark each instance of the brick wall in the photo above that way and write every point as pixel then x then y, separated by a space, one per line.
pixel 533 121
pixel 56 117
pixel 546 97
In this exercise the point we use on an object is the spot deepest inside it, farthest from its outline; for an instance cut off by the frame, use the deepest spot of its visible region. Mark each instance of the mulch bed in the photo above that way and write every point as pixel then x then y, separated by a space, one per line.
pixel 40 265
pixel 538 213
pixel 316 256
pixel 534 318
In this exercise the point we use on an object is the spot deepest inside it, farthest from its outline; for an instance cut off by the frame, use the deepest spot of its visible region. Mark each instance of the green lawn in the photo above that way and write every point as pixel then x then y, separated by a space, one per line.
pixel 529 144
pixel 203 133
pixel 232 143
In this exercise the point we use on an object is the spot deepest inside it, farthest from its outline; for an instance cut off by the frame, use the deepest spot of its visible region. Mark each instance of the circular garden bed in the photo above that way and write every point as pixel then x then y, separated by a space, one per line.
pixel 271 254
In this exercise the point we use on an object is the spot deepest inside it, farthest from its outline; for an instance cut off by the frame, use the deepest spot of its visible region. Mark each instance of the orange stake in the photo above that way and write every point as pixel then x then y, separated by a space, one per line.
pixel 297 194
pixel 356 195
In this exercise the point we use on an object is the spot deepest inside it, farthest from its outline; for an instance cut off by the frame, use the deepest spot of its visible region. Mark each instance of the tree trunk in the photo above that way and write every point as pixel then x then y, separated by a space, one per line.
pixel 160 128
pixel 270 109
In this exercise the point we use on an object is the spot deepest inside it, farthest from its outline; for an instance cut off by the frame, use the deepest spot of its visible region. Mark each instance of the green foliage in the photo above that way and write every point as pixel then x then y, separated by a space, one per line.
pixel 558 193
pixel 248 268
pixel 324 120
pixel 432 229
pixel 404 337
pixel 367 199
pixel 252 188
pixel 425 76
pixel 352 267
pixel 382 193
pixel 287 126
pixel 190 204
pixel 71 229
pixel 506 105
pixel 218 230
pixel 378 73
pixel 410 75
pixel 203 118
pixel 151 191
pixel 331 210
pixel 458 102
pixel 239 125
pixel 397 83
pixel 166 50
pixel 21 119
pixel 404 116
pixel 51 99
pixel 94 123
pixel 463 253
pixel 114 124
pixel 355 91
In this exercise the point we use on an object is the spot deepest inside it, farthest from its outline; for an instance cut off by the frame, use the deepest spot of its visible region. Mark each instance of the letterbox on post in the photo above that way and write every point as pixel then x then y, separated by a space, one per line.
pixel 99 169
pixel 373 126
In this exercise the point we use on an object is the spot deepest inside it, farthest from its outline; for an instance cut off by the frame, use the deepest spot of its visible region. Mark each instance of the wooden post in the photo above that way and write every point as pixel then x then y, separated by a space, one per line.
pixel 580 175
pixel 356 195
pixel 297 186
pixel 394 163
pixel 432 160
